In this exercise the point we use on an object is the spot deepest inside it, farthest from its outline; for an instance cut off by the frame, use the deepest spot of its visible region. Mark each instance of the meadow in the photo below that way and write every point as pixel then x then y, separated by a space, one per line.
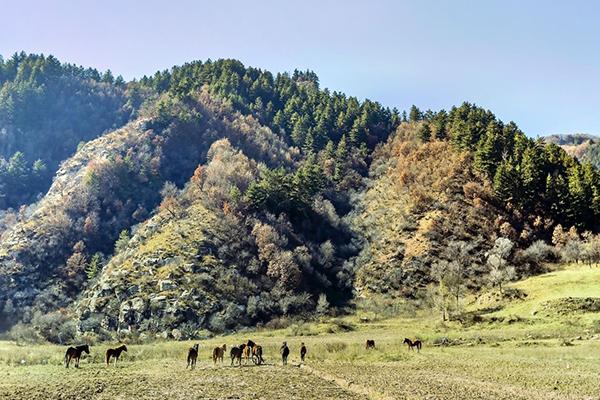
pixel 519 348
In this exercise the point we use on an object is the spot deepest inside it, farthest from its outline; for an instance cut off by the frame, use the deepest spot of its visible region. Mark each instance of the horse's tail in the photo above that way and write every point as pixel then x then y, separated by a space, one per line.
pixel 419 345
pixel 107 357
pixel 65 360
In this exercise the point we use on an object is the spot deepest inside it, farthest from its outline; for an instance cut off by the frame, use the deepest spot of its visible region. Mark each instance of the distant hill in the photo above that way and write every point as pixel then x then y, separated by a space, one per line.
pixel 224 196
pixel 583 146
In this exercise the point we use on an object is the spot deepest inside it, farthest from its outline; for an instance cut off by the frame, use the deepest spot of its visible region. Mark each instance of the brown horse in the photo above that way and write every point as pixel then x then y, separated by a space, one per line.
pixel 411 344
pixel 257 354
pixel 218 353
pixel 248 351
pixel 370 344
pixel 236 354
pixel 192 357
pixel 75 353
pixel 115 353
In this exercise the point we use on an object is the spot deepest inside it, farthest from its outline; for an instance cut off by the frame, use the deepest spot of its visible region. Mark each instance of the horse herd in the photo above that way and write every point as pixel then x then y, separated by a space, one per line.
pixel 249 351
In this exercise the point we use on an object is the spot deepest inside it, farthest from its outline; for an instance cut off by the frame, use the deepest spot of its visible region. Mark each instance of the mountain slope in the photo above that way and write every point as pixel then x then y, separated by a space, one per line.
pixel 236 197
pixel 46 110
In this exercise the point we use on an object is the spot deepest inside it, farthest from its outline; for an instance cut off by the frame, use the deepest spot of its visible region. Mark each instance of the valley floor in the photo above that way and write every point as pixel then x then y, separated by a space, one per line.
pixel 529 354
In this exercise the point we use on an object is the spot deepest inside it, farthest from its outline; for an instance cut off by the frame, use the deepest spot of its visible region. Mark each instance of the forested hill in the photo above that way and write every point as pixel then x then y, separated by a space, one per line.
pixel 585 148
pixel 229 196
pixel 46 110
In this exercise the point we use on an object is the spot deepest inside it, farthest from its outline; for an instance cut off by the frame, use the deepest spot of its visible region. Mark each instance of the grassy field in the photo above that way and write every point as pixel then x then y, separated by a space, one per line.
pixel 515 352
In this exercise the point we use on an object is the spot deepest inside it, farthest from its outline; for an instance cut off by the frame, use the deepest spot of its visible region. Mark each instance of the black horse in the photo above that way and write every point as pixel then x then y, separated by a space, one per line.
pixel 192 357
pixel 285 352
pixel 302 352
pixel 75 353
pixel 412 345
pixel 236 353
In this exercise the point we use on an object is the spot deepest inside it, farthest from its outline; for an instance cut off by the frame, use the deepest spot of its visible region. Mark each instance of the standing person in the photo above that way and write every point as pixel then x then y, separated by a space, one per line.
pixel 285 352
pixel 302 352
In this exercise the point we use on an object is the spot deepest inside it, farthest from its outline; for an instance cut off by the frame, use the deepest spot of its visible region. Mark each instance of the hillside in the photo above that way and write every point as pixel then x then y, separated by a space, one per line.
pixel 234 198
pixel 585 147
pixel 46 110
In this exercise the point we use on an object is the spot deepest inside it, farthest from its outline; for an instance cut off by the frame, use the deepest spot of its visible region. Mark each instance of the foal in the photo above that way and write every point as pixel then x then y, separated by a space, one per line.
pixel 116 353
pixel 218 353
pixel 192 356
pixel 75 353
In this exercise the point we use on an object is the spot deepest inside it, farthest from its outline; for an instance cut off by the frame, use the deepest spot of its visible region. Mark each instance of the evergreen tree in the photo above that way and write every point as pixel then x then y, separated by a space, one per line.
pixel 415 114
pixel 424 132
pixel 488 151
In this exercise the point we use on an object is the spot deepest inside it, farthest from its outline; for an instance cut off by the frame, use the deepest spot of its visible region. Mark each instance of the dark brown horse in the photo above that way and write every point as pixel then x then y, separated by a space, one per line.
pixel 218 353
pixel 257 354
pixel 412 345
pixel 302 352
pixel 236 354
pixel 370 344
pixel 75 353
pixel 285 352
pixel 192 357
pixel 115 353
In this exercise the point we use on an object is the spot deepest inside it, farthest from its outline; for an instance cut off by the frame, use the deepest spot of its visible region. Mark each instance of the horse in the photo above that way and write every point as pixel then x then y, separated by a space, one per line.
pixel 302 352
pixel 411 344
pixel 218 353
pixel 248 351
pixel 116 353
pixel 285 352
pixel 236 353
pixel 257 354
pixel 75 353
pixel 192 356
pixel 370 344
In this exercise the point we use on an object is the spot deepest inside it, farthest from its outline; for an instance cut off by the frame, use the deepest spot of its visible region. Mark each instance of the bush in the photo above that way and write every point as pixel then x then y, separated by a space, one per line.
pixel 55 327
pixel 22 334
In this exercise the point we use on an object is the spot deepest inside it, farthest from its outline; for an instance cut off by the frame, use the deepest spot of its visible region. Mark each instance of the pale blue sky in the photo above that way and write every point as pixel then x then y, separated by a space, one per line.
pixel 534 62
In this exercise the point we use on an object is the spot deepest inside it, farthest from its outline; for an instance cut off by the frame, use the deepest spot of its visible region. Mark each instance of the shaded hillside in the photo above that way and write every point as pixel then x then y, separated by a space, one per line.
pixel 46 110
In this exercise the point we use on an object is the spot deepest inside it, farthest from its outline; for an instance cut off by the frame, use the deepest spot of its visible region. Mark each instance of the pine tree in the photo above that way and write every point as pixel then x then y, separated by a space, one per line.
pixel 424 132
pixel 341 154
pixel 504 181
pixel 488 150
pixel 415 114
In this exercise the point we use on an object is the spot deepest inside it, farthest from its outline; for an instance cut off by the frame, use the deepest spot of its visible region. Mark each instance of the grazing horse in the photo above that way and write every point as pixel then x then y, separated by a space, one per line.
pixel 115 353
pixel 302 352
pixel 370 344
pixel 236 354
pixel 75 353
pixel 285 352
pixel 192 356
pixel 218 353
pixel 411 344
pixel 257 354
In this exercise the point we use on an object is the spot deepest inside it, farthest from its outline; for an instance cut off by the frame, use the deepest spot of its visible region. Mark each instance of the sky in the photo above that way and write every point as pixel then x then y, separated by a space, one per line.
pixel 533 62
